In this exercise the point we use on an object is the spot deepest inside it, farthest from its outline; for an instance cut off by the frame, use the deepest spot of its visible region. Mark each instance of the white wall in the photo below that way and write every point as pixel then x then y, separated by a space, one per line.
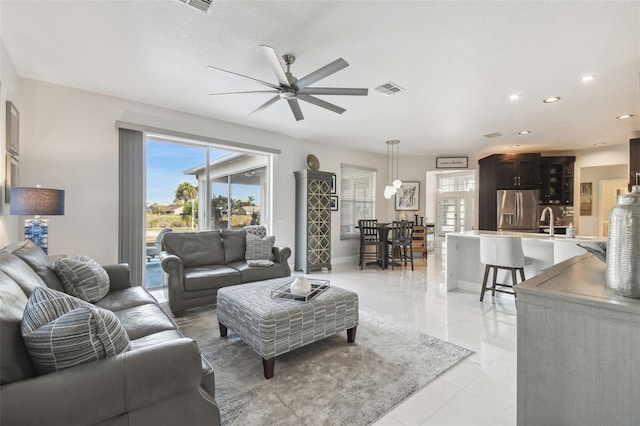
pixel 10 226
pixel 69 141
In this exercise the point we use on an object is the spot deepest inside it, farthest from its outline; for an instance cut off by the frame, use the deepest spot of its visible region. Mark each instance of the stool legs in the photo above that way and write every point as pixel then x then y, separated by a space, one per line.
pixel 487 268
pixel 495 284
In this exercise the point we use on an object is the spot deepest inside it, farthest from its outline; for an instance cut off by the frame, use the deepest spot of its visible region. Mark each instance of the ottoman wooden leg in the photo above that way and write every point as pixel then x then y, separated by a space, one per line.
pixel 268 366
pixel 351 335
pixel 223 329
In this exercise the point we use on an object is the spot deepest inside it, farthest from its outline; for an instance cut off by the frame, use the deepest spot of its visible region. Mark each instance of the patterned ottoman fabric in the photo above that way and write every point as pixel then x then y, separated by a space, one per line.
pixel 274 326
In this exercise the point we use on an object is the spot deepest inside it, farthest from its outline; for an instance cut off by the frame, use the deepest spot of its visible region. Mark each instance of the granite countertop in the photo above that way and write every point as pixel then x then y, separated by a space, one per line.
pixel 531 236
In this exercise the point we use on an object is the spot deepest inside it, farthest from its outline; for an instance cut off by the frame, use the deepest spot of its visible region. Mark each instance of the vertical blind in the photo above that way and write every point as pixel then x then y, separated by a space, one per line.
pixel 358 193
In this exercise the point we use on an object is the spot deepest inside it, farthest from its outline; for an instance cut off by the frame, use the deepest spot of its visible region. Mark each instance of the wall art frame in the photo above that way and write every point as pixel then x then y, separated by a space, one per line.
pixel 408 196
pixel 13 129
pixel 452 162
pixel 334 203
pixel 11 176
pixel 333 184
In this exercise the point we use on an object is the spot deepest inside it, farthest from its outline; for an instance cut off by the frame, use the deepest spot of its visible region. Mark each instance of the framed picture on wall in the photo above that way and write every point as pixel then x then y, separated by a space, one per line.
pixel 13 129
pixel 11 176
pixel 334 203
pixel 408 196
pixel 333 184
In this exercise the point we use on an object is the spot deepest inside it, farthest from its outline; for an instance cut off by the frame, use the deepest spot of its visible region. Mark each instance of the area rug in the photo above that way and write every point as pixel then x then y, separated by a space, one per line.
pixel 330 382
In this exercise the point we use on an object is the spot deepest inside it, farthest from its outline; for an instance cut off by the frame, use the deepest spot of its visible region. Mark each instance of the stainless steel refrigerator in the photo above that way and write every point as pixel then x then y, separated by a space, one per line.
pixel 518 210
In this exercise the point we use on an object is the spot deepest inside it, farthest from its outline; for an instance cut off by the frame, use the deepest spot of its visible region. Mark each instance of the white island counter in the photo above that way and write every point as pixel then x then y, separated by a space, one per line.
pixel 465 271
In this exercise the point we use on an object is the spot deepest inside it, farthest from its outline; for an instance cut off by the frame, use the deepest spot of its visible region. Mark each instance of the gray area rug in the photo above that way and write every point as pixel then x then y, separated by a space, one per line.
pixel 330 382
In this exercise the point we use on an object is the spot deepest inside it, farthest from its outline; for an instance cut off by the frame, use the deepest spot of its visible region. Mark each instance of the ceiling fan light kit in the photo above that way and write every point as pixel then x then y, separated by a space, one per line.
pixel 292 89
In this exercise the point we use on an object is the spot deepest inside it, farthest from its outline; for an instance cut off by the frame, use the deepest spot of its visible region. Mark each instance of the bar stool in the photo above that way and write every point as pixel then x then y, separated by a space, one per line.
pixel 501 252
pixel 369 236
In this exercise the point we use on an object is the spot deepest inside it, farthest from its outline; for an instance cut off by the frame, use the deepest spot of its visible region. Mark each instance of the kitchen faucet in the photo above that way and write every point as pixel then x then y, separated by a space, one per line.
pixel 550 219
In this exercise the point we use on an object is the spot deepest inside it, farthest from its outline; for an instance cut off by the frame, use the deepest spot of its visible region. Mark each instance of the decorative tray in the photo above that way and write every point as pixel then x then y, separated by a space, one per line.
pixel 317 287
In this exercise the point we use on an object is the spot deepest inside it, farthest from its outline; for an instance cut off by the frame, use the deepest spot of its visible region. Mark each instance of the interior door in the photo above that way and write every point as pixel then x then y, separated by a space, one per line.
pixel 451 214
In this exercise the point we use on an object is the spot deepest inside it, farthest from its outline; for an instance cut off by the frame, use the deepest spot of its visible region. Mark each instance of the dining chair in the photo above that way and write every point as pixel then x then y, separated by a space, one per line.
pixel 501 252
pixel 369 237
pixel 399 241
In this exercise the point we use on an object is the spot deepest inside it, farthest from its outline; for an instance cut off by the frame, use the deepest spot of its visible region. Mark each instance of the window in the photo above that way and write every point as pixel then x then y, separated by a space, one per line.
pixel 357 190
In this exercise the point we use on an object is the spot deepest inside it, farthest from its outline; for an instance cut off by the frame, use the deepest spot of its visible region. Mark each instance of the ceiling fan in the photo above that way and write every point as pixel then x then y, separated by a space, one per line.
pixel 291 89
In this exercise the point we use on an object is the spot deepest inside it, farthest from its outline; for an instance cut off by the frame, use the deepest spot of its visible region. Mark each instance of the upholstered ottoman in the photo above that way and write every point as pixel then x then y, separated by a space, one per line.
pixel 274 326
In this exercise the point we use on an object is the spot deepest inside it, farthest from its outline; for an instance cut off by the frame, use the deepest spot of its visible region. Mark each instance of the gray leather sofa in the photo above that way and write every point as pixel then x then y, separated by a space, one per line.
pixel 161 380
pixel 197 264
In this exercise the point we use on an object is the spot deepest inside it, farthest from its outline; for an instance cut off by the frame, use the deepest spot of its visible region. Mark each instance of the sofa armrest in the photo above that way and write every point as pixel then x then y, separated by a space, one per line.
pixel 282 255
pixel 97 391
pixel 172 265
pixel 119 276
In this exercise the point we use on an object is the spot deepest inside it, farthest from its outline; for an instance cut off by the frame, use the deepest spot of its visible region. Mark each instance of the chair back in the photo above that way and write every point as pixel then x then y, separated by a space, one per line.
pixel 368 228
pixel 502 250
pixel 401 231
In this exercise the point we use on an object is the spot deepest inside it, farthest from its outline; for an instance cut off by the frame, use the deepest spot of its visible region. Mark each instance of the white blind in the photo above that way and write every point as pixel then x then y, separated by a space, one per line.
pixel 358 193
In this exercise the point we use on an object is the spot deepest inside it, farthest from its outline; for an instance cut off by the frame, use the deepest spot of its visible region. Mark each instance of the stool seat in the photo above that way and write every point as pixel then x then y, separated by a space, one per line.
pixel 501 252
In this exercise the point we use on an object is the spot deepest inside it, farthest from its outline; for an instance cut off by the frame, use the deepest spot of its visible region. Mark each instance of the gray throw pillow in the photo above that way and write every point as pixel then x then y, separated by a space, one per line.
pixel 82 277
pixel 61 331
pixel 259 230
pixel 259 248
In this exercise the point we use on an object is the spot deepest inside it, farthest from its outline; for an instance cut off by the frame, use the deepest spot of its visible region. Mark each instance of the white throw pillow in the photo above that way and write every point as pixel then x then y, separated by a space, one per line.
pixel 259 248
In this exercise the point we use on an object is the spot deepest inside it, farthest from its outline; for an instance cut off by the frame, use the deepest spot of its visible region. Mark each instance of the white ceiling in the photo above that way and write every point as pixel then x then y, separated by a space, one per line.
pixel 458 61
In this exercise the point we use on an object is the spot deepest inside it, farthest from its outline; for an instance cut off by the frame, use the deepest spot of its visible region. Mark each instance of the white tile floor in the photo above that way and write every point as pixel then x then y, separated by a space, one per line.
pixel 481 390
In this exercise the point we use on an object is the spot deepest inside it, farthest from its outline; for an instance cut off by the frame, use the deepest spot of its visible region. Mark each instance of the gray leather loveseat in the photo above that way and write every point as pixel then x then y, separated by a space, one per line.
pixel 161 380
pixel 197 264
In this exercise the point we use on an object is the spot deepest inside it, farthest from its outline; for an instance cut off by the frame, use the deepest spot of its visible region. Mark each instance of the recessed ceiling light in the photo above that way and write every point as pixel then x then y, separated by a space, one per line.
pixel 588 78
pixel 623 116
pixel 551 99
pixel 514 97
pixel 599 143
pixel 524 132
pixel 514 146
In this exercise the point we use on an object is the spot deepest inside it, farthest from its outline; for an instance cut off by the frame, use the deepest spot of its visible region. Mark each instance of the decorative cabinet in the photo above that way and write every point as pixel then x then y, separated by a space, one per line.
pixel 556 180
pixel 313 220
pixel 503 171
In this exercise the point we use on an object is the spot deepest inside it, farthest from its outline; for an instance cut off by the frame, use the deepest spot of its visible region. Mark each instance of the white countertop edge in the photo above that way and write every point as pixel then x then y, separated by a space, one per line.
pixel 530 236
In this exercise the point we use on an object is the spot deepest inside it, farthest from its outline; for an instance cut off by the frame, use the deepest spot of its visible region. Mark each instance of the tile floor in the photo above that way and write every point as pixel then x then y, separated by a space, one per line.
pixel 481 390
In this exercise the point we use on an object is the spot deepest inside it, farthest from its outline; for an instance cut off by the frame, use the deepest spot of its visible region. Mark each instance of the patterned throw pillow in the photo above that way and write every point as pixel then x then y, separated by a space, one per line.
pixel 259 249
pixel 82 277
pixel 259 230
pixel 61 331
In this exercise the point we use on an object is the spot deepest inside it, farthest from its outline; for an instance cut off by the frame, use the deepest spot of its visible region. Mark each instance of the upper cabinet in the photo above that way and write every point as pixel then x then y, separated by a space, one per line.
pixel 556 180
pixel 516 171
pixel 634 161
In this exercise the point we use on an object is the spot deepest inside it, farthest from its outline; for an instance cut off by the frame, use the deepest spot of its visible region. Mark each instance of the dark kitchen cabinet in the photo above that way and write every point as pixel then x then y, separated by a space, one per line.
pixel 556 180
pixel 503 171
pixel 634 161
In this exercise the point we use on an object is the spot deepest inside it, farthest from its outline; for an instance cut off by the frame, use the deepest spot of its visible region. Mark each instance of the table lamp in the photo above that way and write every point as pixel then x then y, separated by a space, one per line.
pixel 37 201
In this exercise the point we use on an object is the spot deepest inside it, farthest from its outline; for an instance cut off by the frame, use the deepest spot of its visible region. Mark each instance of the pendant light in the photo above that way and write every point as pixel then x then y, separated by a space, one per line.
pixel 391 189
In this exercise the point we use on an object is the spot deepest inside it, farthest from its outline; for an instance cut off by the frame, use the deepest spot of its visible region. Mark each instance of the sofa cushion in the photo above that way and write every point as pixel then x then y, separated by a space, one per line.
pixel 82 277
pixel 143 320
pixel 61 331
pixel 20 272
pixel 15 363
pixel 195 248
pixel 233 241
pixel 210 277
pixel 259 248
pixel 33 255
pixel 259 273
pixel 127 298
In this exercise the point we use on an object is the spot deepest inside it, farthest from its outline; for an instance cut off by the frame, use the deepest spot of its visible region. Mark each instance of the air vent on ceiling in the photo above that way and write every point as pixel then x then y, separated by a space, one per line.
pixel 203 5
pixel 492 135
pixel 389 88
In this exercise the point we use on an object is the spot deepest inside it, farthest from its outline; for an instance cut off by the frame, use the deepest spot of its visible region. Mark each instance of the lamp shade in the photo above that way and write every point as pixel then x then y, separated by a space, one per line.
pixel 37 201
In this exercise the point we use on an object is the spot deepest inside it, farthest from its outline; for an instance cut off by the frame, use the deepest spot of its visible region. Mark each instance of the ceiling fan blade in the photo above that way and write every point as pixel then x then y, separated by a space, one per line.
pixel 241 93
pixel 333 91
pixel 321 103
pixel 272 56
pixel 273 86
pixel 321 73
pixel 295 109
pixel 266 104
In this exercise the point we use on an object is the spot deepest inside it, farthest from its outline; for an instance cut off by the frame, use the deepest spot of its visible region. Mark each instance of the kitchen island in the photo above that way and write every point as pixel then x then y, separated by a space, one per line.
pixel 465 271
pixel 578 346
